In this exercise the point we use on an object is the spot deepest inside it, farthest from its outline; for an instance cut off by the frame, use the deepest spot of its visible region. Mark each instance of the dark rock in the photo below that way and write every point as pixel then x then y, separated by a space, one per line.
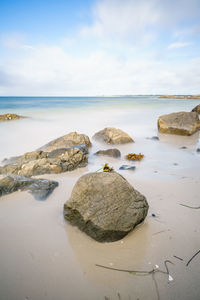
pixel 69 140
pixel 154 138
pixel 111 135
pixel 183 147
pixel 196 109
pixel 198 150
pixel 109 152
pixel 39 188
pixel 105 206
pixel 127 167
pixel 182 123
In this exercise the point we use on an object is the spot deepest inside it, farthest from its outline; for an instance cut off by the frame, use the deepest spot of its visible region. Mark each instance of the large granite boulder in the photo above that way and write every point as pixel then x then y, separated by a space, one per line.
pixel 42 162
pixel 68 140
pixel 109 152
pixel 105 206
pixel 196 109
pixel 39 188
pixel 183 123
pixel 112 135
pixel 10 117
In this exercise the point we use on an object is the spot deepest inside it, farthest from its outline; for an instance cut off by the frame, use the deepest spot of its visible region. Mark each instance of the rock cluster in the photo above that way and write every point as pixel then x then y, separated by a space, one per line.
pixel 105 206
pixel 42 162
pixel 9 117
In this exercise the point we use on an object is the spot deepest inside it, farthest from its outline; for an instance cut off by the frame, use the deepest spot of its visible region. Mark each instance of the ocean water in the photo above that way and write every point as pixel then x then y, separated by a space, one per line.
pixel 51 117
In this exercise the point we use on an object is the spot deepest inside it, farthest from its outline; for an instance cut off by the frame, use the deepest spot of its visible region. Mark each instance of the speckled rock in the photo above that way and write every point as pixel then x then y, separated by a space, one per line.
pixel 111 135
pixel 68 140
pixel 182 123
pixel 105 206
pixel 109 152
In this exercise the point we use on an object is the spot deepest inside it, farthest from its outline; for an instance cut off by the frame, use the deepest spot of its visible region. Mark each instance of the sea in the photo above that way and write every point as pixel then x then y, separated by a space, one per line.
pixel 51 117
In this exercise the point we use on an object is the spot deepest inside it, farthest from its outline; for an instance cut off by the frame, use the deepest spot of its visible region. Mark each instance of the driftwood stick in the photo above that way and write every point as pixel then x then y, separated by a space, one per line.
pixel 192 257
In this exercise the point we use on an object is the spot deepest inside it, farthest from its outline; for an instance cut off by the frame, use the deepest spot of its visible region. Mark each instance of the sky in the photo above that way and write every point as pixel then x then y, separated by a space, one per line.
pixel 99 47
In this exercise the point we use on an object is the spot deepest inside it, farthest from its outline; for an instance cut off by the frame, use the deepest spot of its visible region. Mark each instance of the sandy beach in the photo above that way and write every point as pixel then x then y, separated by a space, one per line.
pixel 44 257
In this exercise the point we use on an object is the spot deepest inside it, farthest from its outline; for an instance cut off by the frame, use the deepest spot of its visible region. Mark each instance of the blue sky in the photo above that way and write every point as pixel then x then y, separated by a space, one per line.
pixel 103 47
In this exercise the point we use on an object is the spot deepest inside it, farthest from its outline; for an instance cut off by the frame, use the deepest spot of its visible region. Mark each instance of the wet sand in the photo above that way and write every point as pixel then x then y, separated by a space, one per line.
pixel 42 257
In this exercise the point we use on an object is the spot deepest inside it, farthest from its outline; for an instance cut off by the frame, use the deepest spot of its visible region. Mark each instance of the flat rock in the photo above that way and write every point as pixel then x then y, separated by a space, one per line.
pixel 112 135
pixel 196 109
pixel 182 123
pixel 42 162
pixel 68 140
pixel 127 167
pixel 105 206
pixel 39 188
pixel 10 117
pixel 153 138
pixel 109 152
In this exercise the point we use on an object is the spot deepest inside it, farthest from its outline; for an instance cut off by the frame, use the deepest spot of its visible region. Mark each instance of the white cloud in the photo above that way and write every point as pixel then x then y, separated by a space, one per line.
pixel 15 41
pixel 52 71
pixel 178 45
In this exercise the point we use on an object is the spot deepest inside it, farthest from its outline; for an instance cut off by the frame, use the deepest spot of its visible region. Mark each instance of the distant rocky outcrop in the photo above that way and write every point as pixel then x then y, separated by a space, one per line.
pixel 42 162
pixel 111 135
pixel 10 117
pixel 109 152
pixel 69 140
pixel 181 96
pixel 182 123
pixel 39 188
pixel 105 206
pixel 196 109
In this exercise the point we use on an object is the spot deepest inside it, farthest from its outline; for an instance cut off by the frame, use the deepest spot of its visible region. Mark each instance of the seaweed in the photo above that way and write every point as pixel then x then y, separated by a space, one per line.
pixel 133 156
pixel 106 168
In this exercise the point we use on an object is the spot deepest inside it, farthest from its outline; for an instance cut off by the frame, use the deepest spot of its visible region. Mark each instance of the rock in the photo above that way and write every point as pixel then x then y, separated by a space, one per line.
pixel 183 123
pixel 39 188
pixel 105 206
pixel 180 96
pixel 197 109
pixel 41 162
pixel 68 140
pixel 154 138
pixel 127 167
pixel 10 117
pixel 198 150
pixel 111 135
pixel 110 152
pixel 183 147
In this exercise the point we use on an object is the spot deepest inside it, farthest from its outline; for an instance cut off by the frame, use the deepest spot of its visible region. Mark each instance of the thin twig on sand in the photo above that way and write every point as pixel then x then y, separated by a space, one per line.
pixel 192 257
pixel 193 207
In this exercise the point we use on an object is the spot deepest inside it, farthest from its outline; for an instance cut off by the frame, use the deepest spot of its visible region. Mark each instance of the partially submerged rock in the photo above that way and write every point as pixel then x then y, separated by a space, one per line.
pixel 153 138
pixel 111 135
pixel 69 140
pixel 39 188
pixel 183 123
pixel 127 167
pixel 105 206
pixel 41 162
pixel 109 152
pixel 196 109
pixel 10 117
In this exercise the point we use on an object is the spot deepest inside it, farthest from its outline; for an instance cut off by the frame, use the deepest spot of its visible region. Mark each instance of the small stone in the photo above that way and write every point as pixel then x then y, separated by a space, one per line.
pixel 127 167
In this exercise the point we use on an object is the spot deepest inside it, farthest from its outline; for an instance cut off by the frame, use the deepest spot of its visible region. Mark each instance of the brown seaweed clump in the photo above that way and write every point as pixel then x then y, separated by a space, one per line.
pixel 133 156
